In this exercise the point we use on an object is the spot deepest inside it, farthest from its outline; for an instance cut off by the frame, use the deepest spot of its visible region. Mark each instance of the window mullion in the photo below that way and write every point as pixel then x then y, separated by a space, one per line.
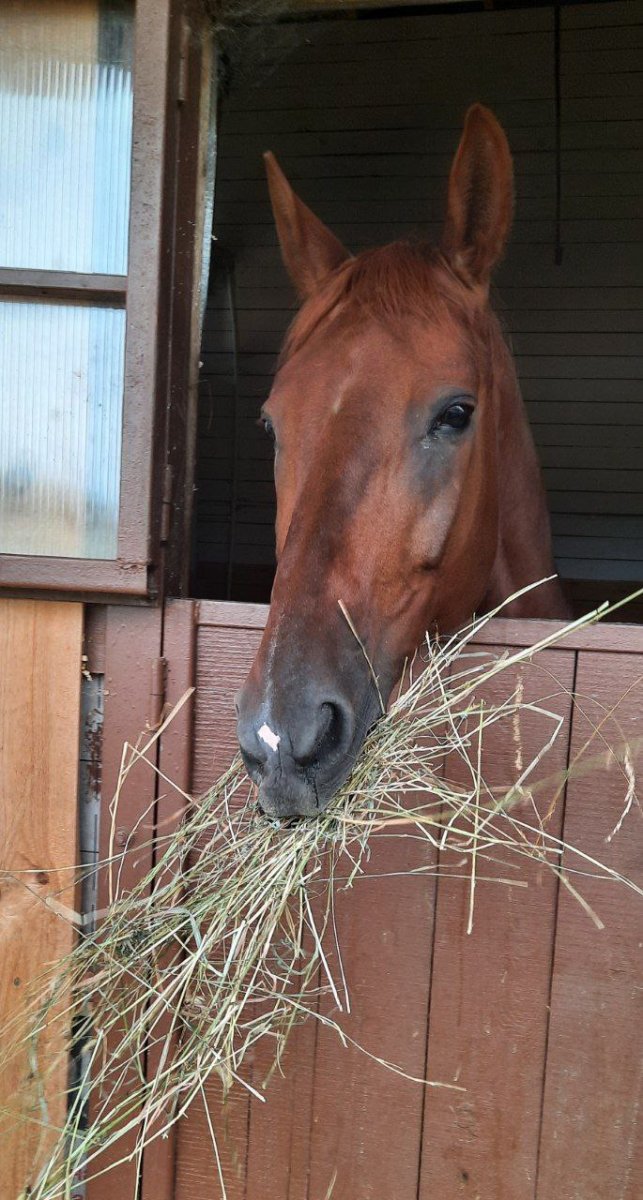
pixel 63 285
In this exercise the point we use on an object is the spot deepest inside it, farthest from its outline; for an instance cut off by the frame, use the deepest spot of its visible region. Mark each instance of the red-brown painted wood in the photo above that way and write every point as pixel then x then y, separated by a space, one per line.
pixel 592 1138
pixel 223 659
pixel 367 1120
pixel 175 761
pixel 337 1112
pixel 279 1129
pixel 498 631
pixel 490 989
pixel 132 644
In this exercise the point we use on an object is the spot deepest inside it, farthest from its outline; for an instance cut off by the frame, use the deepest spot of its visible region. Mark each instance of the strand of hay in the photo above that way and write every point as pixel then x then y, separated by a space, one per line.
pixel 221 945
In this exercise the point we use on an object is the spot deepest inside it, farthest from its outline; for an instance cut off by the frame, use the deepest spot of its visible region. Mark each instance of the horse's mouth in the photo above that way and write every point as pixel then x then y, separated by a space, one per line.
pixel 306 792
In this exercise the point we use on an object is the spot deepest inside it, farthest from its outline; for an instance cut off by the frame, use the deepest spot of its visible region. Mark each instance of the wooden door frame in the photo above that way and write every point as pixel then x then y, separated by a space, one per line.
pixel 148 659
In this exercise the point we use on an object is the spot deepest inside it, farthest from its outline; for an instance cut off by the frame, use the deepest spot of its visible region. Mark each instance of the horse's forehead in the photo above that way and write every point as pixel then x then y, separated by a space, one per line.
pixel 372 362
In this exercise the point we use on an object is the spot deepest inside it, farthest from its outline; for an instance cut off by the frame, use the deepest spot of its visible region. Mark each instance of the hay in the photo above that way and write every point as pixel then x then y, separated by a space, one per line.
pixel 222 944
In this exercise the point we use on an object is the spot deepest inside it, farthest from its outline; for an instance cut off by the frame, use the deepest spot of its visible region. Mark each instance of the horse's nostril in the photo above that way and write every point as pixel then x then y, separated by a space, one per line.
pixel 314 735
pixel 333 733
pixel 254 765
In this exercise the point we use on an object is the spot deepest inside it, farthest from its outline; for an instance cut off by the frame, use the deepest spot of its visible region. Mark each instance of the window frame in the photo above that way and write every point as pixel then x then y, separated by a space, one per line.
pixel 135 570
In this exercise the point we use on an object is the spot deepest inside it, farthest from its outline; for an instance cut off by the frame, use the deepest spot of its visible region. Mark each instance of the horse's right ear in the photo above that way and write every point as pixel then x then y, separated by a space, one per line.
pixel 480 200
pixel 309 250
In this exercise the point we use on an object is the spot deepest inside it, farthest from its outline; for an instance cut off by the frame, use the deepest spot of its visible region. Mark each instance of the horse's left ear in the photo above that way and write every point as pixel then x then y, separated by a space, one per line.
pixel 480 200
pixel 309 250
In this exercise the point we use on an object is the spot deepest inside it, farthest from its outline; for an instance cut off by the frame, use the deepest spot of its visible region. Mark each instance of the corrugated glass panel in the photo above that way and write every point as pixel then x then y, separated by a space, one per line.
pixel 65 135
pixel 61 389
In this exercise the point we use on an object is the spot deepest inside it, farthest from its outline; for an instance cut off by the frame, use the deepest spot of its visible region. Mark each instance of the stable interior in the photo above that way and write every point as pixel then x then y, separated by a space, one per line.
pixel 364 111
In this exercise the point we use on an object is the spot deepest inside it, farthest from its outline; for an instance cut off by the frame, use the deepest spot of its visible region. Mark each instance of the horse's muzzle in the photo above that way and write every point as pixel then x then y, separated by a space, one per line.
pixel 298 758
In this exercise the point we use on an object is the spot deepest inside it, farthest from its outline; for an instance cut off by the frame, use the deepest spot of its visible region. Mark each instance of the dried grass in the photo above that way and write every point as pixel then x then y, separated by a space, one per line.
pixel 222 944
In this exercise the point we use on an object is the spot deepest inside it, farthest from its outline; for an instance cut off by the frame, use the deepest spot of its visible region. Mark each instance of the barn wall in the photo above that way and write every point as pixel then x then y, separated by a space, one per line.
pixel 364 115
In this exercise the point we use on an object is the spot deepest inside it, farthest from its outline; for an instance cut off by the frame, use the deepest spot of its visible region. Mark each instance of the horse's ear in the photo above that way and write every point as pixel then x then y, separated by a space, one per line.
pixel 480 200
pixel 309 250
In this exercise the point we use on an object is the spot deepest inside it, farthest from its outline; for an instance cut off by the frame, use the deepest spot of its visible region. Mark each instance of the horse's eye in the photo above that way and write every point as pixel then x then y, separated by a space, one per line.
pixel 269 427
pixel 456 416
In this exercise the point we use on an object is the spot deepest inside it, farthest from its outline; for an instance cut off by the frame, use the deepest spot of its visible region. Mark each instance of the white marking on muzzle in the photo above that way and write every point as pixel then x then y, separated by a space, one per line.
pixel 271 739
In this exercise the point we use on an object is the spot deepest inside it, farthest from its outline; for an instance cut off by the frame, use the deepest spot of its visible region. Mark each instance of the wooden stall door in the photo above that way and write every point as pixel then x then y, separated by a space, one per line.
pixel 536 1014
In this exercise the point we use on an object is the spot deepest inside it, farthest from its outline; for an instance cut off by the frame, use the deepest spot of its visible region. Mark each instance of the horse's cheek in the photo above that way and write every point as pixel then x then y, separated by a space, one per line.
pixel 433 530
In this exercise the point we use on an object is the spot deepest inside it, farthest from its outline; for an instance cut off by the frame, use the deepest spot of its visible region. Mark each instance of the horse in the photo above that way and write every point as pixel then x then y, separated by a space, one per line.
pixel 409 494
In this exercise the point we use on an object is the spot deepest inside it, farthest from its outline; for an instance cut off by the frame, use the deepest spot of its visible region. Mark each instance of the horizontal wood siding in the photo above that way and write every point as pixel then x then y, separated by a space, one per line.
pixel 364 115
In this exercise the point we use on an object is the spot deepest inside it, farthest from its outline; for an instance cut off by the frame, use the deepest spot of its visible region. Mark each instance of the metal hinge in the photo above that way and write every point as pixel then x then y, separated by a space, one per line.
pixel 157 690
pixel 166 505
pixel 182 89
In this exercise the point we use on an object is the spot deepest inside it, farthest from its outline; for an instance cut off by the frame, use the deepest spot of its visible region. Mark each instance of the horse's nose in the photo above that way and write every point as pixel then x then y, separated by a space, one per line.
pixel 293 757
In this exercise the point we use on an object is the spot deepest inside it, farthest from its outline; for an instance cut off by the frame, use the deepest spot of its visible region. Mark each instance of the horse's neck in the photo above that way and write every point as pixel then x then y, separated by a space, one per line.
pixel 524 537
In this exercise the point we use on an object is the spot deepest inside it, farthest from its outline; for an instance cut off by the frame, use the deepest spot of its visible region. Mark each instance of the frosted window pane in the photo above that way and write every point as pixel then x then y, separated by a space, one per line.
pixel 61 388
pixel 65 135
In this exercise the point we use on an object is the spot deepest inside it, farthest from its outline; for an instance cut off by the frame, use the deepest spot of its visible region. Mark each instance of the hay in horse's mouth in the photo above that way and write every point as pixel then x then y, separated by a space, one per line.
pixel 225 942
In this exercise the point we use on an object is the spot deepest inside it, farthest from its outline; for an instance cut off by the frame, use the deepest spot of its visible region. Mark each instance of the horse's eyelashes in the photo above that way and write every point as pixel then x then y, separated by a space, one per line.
pixel 268 426
pixel 456 416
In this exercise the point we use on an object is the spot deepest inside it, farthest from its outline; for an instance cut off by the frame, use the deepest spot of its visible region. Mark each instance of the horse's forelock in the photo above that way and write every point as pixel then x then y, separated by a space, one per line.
pixel 390 284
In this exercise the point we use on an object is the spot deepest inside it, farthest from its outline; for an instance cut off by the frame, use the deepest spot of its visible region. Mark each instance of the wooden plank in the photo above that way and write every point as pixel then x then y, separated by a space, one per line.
pixel 421 114
pixel 578 367
pixel 602 37
pixel 377 29
pixel 545 390
pixel 279 1130
pixel 490 990
pixel 574 395
pixel 412 219
pixel 241 183
pixel 603 569
pixel 264 330
pixel 67 285
pixel 522 20
pixel 420 138
pixel 610 12
pixel 569 523
pixel 585 62
pixel 223 660
pixel 615 638
pixel 625 458
pixel 603 481
pixel 132 645
pixel 623 266
pixel 594 502
pixel 40 662
pixel 175 761
pixel 542 344
pixel 385 934
pixel 613 546
pixel 569 435
pixel 592 1138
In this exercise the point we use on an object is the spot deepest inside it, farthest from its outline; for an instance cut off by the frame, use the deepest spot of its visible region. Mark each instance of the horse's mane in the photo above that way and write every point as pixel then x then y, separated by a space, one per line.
pixel 388 283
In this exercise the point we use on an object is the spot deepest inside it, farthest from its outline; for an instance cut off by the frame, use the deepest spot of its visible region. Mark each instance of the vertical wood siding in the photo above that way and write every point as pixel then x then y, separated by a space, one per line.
pixel 538 1014
pixel 40 653
pixel 364 115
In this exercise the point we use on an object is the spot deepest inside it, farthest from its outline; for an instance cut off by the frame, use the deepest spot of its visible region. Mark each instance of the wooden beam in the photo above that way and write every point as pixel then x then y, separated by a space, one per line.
pixel 338 5
pixel 63 285
pixel 40 661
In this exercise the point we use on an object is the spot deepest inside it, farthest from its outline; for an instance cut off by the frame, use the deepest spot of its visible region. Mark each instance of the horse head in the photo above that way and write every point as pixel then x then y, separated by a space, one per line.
pixel 408 492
